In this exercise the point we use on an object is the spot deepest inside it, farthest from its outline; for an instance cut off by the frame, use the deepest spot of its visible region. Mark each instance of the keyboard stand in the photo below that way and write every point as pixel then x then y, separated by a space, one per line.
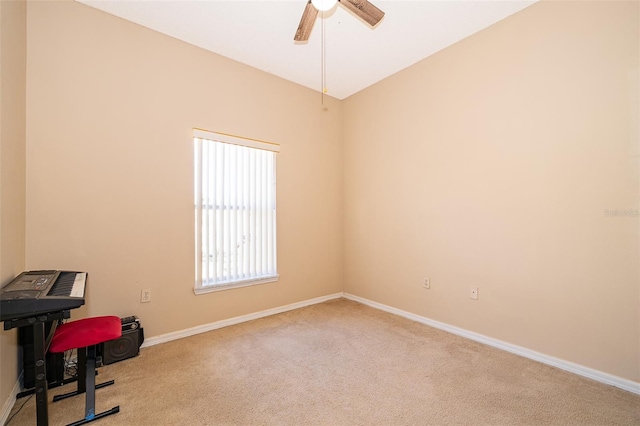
pixel 40 343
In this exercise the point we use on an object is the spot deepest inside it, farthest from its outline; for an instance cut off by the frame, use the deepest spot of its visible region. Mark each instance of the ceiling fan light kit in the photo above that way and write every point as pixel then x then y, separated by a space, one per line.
pixel 324 5
pixel 361 8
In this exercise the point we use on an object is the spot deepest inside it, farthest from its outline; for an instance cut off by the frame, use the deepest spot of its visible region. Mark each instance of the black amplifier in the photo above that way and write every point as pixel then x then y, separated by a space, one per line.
pixel 127 346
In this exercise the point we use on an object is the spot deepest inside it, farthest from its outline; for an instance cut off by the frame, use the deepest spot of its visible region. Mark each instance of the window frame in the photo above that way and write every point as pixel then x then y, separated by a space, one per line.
pixel 199 287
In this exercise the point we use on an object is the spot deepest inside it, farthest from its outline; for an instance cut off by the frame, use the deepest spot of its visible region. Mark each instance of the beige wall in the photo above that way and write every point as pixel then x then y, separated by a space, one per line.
pixel 110 110
pixel 491 164
pixel 12 170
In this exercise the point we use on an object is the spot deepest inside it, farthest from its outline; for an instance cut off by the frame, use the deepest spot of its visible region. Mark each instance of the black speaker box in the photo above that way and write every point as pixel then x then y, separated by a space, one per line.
pixel 126 346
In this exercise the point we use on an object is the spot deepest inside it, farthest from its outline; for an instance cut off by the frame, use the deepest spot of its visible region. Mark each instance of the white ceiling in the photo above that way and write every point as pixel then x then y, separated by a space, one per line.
pixel 260 33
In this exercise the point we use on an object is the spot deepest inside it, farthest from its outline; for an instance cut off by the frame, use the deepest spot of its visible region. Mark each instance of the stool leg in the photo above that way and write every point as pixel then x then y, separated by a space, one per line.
pixel 90 384
pixel 81 368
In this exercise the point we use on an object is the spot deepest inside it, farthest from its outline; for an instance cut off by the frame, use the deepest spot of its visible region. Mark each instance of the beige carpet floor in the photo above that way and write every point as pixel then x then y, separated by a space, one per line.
pixel 340 363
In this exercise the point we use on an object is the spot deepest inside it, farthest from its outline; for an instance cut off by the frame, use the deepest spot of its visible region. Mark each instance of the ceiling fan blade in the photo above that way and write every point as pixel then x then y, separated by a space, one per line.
pixel 364 10
pixel 306 23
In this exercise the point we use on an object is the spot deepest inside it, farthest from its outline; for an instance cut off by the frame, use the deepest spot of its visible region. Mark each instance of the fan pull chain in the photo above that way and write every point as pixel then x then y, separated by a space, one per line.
pixel 323 61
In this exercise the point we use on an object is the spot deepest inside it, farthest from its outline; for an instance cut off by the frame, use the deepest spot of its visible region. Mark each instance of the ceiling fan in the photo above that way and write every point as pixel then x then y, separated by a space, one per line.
pixel 361 8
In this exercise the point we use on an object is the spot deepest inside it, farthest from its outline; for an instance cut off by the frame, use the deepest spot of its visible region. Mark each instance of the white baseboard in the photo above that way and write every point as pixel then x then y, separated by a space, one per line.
pixel 571 367
pixel 580 370
pixel 11 400
pixel 163 338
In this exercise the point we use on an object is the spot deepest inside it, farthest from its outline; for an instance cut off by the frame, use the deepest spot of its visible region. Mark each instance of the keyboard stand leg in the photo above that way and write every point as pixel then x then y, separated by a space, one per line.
pixel 39 356
pixel 49 386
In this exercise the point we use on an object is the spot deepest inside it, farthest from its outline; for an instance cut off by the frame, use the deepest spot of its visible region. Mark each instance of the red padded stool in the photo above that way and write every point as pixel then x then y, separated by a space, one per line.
pixel 84 335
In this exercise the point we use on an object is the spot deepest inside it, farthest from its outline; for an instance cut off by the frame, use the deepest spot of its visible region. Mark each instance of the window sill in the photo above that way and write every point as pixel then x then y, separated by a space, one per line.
pixel 235 284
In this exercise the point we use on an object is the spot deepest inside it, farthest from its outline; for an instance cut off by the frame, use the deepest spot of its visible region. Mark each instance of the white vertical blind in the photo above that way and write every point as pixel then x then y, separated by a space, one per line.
pixel 235 211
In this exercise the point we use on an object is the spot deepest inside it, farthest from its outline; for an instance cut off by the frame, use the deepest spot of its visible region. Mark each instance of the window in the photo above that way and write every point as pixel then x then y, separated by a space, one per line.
pixel 235 211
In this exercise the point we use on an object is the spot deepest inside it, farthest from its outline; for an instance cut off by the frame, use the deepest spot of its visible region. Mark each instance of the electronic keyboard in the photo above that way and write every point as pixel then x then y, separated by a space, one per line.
pixel 33 293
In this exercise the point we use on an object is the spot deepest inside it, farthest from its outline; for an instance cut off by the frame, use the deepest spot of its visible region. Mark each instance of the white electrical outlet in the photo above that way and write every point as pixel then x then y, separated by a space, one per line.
pixel 427 283
pixel 473 293
pixel 145 295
